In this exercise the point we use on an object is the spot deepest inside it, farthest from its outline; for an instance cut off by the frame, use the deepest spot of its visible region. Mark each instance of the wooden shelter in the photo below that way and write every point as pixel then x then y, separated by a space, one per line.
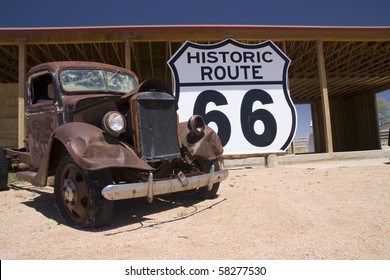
pixel 337 70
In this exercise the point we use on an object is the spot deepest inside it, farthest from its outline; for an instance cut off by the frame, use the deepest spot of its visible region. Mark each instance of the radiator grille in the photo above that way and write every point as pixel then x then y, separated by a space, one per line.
pixel 156 135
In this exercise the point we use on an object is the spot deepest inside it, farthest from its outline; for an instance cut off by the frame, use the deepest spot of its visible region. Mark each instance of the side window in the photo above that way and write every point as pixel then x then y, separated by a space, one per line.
pixel 42 89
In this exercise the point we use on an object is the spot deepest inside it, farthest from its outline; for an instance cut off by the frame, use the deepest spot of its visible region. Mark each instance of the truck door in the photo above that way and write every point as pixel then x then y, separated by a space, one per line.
pixel 41 114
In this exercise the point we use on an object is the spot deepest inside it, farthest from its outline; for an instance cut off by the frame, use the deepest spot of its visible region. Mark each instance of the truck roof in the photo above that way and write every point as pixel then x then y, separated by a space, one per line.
pixel 58 65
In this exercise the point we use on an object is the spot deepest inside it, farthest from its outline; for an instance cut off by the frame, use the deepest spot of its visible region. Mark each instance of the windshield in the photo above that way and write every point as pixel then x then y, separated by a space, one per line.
pixel 96 80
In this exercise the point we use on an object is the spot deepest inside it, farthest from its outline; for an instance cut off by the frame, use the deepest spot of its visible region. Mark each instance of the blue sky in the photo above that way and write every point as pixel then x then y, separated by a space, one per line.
pixel 45 13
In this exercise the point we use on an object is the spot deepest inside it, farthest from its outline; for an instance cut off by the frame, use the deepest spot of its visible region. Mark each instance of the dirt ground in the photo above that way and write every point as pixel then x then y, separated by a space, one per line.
pixel 324 210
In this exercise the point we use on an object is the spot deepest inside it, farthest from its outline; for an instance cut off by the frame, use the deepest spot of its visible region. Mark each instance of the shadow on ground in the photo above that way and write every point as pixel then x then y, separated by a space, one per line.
pixel 126 212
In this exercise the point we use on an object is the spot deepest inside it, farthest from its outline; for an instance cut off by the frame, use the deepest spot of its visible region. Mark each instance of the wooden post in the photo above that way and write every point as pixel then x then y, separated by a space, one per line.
pixel 324 96
pixel 288 84
pixel 271 160
pixel 127 54
pixel 21 93
pixel 170 55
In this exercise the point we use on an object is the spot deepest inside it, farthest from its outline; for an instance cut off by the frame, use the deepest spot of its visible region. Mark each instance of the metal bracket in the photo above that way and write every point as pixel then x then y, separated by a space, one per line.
pixel 150 188
pixel 211 178
pixel 183 179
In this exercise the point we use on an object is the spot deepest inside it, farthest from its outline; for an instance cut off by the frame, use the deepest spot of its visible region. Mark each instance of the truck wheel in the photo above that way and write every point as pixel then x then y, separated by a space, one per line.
pixel 205 166
pixel 3 171
pixel 78 195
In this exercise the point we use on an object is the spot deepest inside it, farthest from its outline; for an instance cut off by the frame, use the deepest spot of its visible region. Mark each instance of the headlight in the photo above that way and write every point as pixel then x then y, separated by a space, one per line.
pixel 196 125
pixel 114 123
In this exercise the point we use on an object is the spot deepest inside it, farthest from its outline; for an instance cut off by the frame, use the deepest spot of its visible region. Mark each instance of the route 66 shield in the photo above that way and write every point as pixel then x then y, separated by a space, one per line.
pixel 240 90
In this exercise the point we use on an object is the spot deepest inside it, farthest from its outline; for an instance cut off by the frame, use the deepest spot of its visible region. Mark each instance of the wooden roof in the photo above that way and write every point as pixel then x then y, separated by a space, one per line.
pixel 357 59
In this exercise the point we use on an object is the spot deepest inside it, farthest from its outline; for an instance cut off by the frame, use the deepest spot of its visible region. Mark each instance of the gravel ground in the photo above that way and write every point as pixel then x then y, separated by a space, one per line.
pixel 324 210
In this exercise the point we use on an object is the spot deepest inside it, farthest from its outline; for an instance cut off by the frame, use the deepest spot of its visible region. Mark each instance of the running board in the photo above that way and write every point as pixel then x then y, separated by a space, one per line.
pixel 32 177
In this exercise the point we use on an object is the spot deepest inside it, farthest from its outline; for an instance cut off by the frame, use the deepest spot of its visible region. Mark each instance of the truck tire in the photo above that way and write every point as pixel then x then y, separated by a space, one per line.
pixel 205 166
pixel 78 195
pixel 3 171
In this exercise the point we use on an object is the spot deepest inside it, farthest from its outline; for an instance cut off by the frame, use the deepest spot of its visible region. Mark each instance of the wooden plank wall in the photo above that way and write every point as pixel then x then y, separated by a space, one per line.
pixel 354 124
pixel 8 115
pixel 366 124
pixel 318 126
pixel 342 118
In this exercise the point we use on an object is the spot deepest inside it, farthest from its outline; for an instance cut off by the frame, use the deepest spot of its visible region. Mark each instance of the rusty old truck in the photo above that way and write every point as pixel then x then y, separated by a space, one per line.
pixel 103 136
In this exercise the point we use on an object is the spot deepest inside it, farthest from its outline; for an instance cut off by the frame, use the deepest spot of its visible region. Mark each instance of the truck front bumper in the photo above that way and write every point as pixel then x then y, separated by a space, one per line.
pixel 152 188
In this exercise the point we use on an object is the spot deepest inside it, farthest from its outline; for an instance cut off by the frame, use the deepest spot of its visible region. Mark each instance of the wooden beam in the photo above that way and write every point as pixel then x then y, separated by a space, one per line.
pixel 324 96
pixel 151 58
pixel 191 32
pixel 21 93
pixel 268 159
pixel 170 55
pixel 127 54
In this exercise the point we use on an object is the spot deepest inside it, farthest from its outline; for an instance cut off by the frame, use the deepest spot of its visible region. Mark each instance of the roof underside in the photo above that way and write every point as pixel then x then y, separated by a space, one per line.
pixel 357 60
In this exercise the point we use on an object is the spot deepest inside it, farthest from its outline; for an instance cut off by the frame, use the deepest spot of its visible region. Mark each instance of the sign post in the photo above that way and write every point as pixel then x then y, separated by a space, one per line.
pixel 240 90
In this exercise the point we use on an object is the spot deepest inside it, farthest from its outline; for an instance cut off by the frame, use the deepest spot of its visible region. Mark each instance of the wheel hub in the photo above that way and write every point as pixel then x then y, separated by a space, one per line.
pixel 69 191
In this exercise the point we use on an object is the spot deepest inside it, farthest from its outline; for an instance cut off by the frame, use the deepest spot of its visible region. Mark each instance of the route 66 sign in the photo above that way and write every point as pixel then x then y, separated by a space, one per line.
pixel 241 92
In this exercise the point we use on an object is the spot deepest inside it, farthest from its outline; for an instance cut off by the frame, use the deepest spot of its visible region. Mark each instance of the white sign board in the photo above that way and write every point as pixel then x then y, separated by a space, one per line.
pixel 240 90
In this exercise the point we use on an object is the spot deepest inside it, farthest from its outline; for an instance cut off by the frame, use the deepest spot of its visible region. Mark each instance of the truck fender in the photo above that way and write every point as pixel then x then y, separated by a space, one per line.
pixel 206 147
pixel 93 149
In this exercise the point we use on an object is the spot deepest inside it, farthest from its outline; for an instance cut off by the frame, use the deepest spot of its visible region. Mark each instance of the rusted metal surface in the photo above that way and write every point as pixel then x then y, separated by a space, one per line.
pixel 207 146
pixel 41 122
pixel 94 149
